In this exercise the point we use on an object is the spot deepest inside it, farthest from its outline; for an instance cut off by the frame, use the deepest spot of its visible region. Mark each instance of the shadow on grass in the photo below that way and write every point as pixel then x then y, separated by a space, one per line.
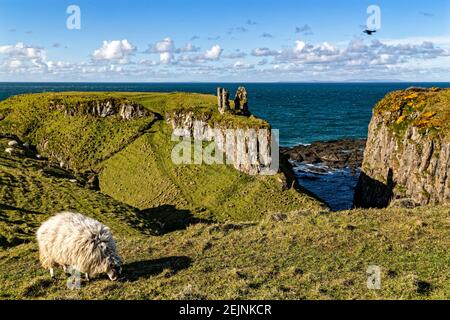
pixel 4 206
pixel 147 268
pixel 168 218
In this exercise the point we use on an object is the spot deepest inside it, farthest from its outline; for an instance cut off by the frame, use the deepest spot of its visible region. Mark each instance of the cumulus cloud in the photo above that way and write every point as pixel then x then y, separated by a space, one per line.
pixel 166 57
pixel 166 49
pixel 21 55
pixel 357 54
pixel 165 45
pixel 114 50
pixel 357 59
pixel 213 53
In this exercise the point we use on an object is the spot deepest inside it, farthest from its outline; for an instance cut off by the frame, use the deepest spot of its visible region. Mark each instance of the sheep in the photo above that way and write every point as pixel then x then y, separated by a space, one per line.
pixel 13 143
pixel 9 151
pixel 69 239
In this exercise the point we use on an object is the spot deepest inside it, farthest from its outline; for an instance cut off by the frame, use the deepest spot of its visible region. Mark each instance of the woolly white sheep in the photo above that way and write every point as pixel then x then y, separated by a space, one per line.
pixel 9 151
pixel 70 239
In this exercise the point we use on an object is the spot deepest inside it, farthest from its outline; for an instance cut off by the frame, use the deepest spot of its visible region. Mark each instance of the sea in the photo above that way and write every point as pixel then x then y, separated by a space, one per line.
pixel 303 112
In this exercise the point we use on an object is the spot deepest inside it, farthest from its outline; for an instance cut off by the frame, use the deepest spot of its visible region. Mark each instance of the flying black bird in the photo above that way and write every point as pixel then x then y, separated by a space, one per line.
pixel 369 32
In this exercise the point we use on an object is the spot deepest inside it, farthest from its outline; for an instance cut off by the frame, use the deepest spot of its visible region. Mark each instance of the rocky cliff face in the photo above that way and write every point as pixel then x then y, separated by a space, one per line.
pixel 238 153
pixel 126 110
pixel 406 160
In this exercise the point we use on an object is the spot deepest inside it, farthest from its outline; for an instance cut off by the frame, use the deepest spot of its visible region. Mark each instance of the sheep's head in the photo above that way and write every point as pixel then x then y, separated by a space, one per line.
pixel 112 261
pixel 114 267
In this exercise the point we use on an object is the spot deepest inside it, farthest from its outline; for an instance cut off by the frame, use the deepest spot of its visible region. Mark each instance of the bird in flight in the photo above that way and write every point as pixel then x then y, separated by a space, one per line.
pixel 369 32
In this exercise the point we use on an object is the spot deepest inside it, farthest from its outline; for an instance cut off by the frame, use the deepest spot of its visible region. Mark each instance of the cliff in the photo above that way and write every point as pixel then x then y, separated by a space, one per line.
pixel 406 160
pixel 121 145
pixel 253 137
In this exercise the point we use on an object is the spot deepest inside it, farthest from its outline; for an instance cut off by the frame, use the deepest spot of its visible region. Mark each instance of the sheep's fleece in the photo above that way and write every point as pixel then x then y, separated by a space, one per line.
pixel 70 239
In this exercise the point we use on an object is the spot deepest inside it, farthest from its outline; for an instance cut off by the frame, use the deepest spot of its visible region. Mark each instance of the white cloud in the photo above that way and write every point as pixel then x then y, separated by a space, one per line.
pixel 357 53
pixel 20 57
pixel 263 52
pixel 165 57
pixel 165 45
pixel 114 50
pixel 23 51
pixel 188 47
pixel 242 65
pixel 214 53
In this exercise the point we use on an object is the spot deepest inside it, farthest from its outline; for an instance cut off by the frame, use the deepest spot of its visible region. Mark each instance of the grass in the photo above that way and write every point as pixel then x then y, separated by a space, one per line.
pixel 302 255
pixel 202 232
pixel 81 141
pixel 133 158
pixel 427 110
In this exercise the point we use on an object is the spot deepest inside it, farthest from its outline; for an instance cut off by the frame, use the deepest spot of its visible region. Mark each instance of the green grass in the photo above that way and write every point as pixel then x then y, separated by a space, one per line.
pixel 81 141
pixel 427 110
pixel 308 255
pixel 134 157
pixel 202 232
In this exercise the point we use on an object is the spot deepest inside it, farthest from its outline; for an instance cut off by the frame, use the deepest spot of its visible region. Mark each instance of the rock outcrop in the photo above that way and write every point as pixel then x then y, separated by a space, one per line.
pixel 241 101
pixel 337 154
pixel 126 110
pixel 407 155
pixel 244 142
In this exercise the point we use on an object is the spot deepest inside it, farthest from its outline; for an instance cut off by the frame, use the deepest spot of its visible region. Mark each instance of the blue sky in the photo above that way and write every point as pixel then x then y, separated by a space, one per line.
pixel 174 40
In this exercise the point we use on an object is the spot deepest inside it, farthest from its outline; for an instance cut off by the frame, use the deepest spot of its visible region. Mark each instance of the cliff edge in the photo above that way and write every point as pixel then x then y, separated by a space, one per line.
pixel 406 160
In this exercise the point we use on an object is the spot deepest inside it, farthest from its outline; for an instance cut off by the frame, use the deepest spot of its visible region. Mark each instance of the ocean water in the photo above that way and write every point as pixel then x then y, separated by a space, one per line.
pixel 303 112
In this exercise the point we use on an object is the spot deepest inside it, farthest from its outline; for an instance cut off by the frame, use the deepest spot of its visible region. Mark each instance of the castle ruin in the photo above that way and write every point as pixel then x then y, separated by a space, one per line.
pixel 240 100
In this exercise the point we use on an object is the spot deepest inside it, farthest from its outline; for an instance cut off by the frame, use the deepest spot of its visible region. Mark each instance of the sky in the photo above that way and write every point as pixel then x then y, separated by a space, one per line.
pixel 236 41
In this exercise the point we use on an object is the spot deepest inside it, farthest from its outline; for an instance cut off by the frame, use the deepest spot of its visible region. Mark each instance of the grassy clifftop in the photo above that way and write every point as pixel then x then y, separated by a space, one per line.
pixel 426 109
pixel 133 156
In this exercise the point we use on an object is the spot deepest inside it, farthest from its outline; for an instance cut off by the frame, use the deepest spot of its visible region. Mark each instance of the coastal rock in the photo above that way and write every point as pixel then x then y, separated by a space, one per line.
pixel 407 155
pixel 336 154
pixel 241 100
pixel 187 124
pixel 126 110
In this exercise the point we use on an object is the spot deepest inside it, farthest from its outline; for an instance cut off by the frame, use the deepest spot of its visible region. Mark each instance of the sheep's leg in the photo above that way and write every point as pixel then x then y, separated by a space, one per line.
pixel 86 276
pixel 52 273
